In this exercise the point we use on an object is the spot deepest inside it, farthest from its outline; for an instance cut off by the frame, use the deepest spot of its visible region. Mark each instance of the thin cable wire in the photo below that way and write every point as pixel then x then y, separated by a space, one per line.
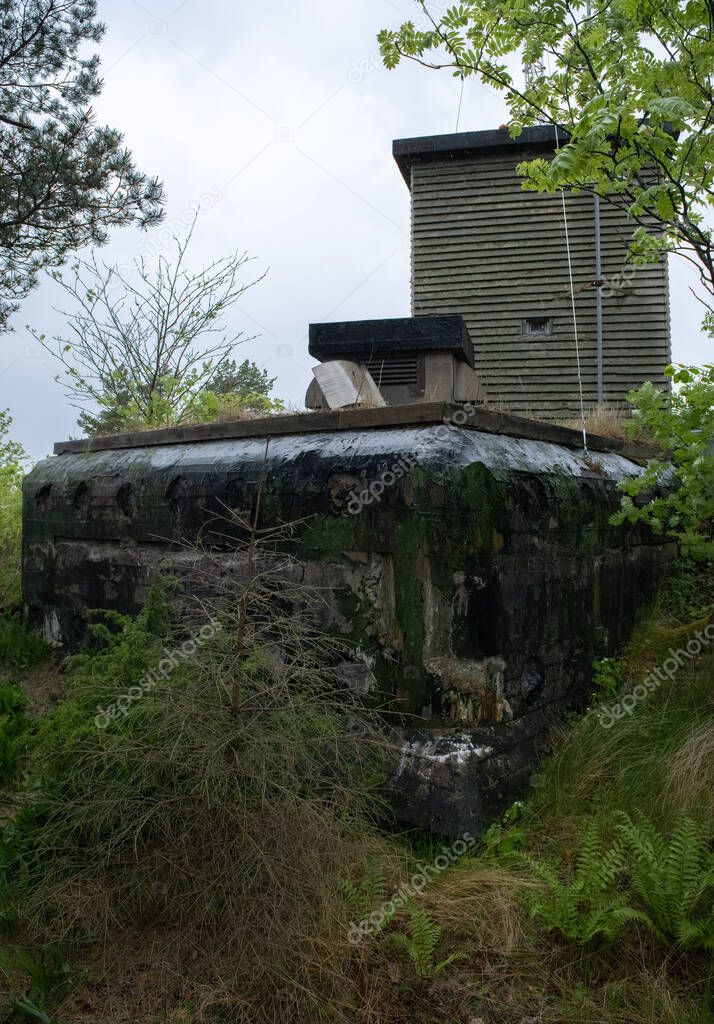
pixel 572 302
pixel 461 96
pixel 575 322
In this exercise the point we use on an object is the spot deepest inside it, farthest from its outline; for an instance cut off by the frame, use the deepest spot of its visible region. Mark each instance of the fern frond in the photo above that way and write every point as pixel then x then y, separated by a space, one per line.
pixel 673 880
pixel 370 893
pixel 420 942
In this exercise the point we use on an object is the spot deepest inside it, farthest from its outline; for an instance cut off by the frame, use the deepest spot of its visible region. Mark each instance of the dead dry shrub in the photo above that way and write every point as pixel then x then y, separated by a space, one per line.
pixel 604 420
pixel 481 904
pixel 226 806
pixel 690 775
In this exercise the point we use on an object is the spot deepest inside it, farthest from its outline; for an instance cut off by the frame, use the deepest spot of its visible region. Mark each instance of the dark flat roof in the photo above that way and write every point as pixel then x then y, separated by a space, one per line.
pixel 363 339
pixel 464 144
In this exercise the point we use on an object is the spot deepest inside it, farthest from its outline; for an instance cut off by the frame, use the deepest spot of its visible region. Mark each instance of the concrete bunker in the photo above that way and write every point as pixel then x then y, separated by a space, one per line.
pixel 466 554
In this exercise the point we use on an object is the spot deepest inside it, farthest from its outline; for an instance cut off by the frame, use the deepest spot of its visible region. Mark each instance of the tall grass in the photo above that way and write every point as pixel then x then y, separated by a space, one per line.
pixel 192 856
pixel 605 420
pixel 656 766
pixel 223 808
pixel 642 763
pixel 653 767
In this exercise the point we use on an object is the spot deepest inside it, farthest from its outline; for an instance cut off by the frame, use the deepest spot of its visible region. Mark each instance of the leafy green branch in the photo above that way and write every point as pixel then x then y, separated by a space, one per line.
pixel 675 494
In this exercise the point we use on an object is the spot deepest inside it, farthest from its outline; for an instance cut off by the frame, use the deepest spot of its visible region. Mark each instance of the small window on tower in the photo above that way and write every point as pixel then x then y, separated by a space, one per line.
pixel 538 326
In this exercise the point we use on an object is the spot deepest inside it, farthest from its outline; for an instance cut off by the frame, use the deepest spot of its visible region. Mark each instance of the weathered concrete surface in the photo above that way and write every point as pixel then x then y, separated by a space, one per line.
pixel 479 585
pixel 452 781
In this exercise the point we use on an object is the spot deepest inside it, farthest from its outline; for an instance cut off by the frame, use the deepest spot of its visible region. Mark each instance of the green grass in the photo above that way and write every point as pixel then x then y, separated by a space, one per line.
pixel 222 808
pixel 642 763
pixel 14 727
pixel 639 929
pixel 220 830
pixel 19 649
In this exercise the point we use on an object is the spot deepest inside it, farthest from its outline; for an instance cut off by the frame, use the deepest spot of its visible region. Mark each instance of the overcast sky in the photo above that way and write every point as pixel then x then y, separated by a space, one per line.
pixel 278 118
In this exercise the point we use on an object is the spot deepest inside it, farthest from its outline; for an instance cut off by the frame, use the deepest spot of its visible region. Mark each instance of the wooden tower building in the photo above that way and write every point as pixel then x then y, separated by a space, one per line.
pixel 485 248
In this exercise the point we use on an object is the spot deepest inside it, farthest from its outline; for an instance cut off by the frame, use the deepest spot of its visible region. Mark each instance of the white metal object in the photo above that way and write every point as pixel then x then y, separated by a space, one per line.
pixel 345 383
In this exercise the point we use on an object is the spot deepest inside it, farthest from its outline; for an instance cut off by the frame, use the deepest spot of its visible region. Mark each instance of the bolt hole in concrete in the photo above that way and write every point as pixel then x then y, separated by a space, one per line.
pixel 126 500
pixel 42 498
pixel 81 498
pixel 176 495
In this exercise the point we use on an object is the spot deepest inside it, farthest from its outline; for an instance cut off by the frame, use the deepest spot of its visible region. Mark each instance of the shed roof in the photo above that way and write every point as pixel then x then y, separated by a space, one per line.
pixel 351 339
pixel 465 144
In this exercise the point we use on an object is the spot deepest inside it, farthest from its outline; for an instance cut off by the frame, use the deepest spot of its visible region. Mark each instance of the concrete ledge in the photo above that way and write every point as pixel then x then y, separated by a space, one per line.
pixel 485 420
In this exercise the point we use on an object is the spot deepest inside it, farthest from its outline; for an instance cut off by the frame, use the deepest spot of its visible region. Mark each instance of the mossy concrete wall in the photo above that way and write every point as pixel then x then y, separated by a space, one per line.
pixel 477 574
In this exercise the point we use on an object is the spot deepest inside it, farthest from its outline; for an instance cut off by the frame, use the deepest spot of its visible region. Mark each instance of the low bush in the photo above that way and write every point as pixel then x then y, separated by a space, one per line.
pixel 20 649
pixel 675 494
pixel 13 727
pixel 222 802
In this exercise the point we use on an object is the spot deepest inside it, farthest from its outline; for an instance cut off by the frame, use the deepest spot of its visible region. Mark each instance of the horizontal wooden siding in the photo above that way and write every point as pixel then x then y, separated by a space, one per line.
pixel 483 247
